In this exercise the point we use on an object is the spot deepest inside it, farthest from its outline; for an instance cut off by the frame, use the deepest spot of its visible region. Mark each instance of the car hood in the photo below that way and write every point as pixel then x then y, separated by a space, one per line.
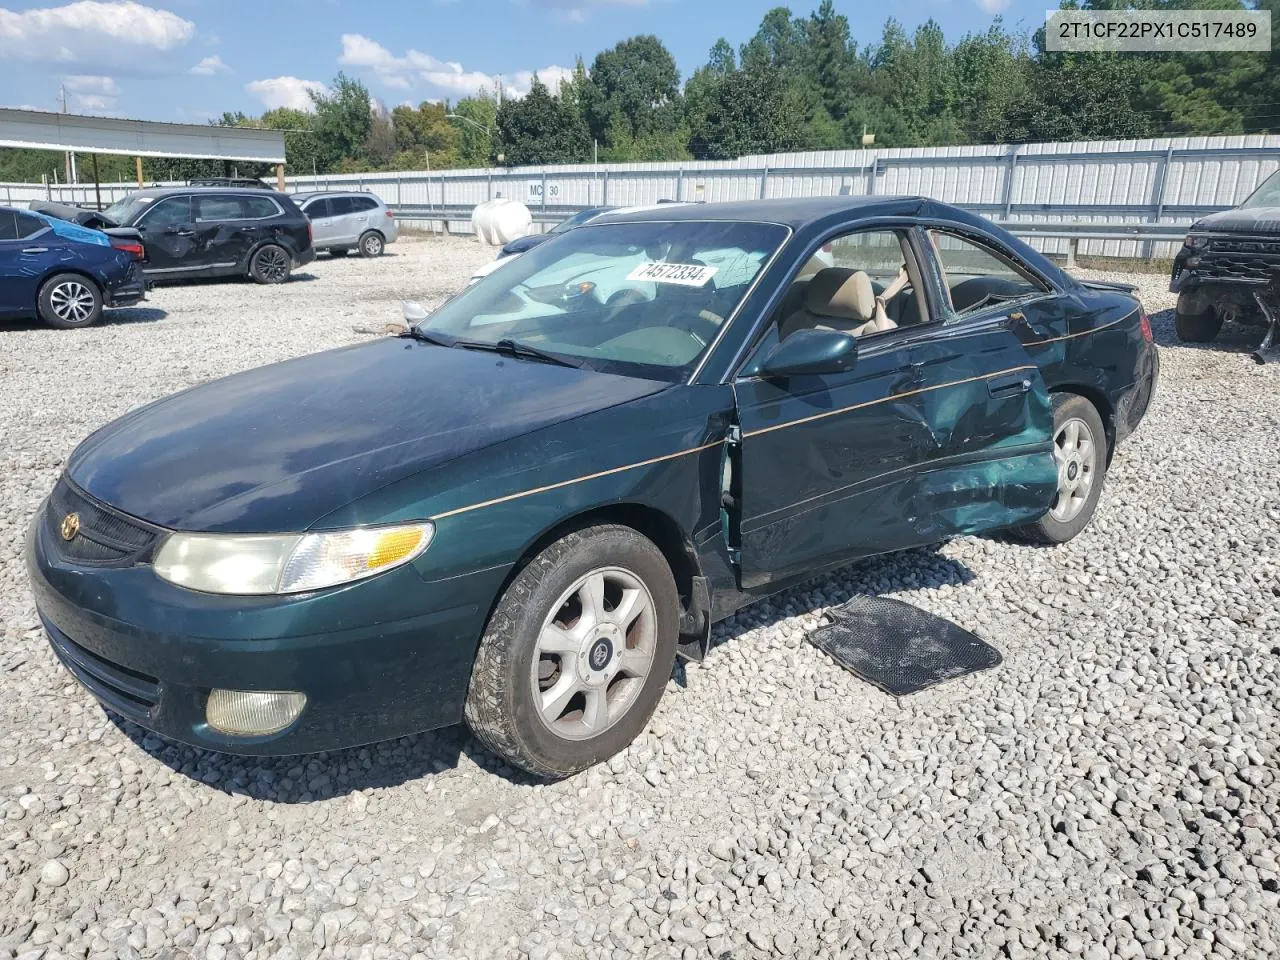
pixel 277 448
pixel 1255 220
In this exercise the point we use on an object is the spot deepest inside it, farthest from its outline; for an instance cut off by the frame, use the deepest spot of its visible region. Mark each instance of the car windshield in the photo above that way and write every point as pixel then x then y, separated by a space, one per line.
pixel 1267 195
pixel 125 211
pixel 641 299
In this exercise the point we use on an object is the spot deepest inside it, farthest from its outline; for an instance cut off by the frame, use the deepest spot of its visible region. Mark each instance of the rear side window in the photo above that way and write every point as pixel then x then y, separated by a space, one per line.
pixel 977 276
pixel 219 208
pixel 8 225
pixel 168 212
pixel 340 206
pixel 258 208
pixel 29 226
pixel 361 204
pixel 317 209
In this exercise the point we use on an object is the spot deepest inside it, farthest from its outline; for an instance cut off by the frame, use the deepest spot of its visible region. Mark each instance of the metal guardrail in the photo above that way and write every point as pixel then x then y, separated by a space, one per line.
pixel 1072 231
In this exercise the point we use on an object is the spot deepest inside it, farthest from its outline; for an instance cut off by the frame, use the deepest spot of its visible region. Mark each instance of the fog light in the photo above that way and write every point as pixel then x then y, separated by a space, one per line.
pixel 253 713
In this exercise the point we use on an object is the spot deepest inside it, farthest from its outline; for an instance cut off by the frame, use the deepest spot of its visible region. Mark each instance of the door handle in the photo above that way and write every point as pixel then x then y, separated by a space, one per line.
pixel 1013 386
pixel 35 249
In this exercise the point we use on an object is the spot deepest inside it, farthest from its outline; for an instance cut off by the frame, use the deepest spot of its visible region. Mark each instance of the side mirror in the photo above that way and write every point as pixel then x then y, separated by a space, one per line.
pixel 811 353
pixel 414 312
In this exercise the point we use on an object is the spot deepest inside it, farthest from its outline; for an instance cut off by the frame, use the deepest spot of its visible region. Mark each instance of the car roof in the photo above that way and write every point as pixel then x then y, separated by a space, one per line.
pixel 794 212
pixel 312 194
pixel 159 192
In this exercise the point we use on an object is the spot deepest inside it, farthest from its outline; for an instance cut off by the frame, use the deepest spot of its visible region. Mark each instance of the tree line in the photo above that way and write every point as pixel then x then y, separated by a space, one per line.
pixel 802 82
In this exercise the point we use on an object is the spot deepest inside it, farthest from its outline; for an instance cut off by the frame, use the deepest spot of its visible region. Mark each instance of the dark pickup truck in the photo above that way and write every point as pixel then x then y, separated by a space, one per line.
pixel 1229 269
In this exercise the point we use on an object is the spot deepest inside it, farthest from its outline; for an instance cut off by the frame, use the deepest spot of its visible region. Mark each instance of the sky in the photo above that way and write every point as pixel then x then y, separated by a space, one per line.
pixel 189 60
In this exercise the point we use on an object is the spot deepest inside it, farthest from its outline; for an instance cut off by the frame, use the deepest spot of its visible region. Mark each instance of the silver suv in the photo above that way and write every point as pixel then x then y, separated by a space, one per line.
pixel 342 222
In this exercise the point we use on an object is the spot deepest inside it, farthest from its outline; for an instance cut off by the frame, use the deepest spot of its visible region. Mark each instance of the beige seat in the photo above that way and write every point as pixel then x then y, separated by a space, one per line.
pixel 839 298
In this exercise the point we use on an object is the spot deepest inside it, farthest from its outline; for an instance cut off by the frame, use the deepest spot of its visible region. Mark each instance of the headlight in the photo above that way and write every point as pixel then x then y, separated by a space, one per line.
pixel 287 563
pixel 1194 240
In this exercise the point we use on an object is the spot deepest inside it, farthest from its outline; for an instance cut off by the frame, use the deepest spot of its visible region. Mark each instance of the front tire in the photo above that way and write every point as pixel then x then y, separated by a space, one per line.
pixel 577 653
pixel 371 244
pixel 69 301
pixel 1080 451
pixel 270 264
pixel 1196 325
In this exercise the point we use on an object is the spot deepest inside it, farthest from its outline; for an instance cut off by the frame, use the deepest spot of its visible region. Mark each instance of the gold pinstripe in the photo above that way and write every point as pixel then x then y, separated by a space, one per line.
pixel 754 433
pixel 566 483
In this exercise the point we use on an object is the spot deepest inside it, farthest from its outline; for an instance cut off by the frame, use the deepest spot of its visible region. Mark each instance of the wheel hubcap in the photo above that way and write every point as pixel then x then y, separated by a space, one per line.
pixel 594 653
pixel 71 301
pixel 373 245
pixel 1075 453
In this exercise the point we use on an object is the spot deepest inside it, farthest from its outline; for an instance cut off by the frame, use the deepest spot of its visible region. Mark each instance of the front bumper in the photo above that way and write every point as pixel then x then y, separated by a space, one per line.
pixel 382 658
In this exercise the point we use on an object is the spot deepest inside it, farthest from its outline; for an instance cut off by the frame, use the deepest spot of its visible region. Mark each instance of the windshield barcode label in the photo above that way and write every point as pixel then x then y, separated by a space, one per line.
pixel 685 274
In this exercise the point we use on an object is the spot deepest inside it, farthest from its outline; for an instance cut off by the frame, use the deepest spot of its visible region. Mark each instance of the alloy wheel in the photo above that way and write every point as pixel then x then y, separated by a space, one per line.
pixel 273 264
pixel 1075 452
pixel 72 301
pixel 372 245
pixel 594 653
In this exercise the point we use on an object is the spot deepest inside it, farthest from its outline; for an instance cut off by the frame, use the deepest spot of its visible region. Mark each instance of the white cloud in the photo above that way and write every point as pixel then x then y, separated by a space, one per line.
pixel 285 92
pixel 577 11
pixel 402 72
pixel 90 31
pixel 209 66
pixel 993 6
pixel 92 93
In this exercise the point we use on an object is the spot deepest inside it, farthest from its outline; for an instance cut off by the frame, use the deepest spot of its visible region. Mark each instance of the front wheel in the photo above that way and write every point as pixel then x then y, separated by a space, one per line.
pixel 270 264
pixel 1196 325
pixel 371 244
pixel 577 653
pixel 69 301
pixel 1080 452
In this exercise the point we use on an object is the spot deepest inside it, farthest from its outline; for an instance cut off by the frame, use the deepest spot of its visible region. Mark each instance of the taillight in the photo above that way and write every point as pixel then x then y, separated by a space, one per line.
pixel 308 231
pixel 131 247
pixel 391 214
pixel 1146 325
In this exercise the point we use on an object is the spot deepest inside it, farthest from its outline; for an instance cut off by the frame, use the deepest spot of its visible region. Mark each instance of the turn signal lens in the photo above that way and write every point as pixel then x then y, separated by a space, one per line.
pixel 253 713
pixel 326 559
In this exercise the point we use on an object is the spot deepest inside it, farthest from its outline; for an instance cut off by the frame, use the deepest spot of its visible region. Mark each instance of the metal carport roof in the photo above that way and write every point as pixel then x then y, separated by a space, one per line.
pixel 138 138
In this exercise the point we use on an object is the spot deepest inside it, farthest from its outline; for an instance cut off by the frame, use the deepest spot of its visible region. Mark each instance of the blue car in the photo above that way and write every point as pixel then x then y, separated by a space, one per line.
pixel 64 273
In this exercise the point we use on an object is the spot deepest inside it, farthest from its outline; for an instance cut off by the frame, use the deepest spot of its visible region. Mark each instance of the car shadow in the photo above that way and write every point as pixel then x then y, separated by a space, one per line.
pixel 111 315
pixel 336 773
pixel 1233 338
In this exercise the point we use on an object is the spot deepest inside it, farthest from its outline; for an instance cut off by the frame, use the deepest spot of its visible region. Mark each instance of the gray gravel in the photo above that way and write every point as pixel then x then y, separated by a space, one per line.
pixel 1109 791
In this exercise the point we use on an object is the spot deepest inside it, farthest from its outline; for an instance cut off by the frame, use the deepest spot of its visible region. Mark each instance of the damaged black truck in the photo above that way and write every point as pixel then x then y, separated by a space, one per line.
pixel 1229 269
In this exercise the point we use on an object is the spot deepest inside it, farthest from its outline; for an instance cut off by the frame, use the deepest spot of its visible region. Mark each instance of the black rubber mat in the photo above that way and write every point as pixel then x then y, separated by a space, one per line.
pixel 900 648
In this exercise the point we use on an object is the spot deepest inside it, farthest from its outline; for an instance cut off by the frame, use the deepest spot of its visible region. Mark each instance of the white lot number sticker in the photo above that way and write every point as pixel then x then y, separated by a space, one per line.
pixel 684 274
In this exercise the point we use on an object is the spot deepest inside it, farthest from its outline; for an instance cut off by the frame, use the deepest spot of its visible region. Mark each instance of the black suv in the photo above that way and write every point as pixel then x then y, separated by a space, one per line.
pixel 1227 258
pixel 210 231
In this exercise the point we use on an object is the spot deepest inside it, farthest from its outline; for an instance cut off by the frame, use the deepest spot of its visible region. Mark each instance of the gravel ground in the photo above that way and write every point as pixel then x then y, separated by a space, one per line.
pixel 1110 791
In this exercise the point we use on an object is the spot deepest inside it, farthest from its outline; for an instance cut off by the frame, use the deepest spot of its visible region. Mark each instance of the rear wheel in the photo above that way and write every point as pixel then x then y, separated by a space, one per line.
pixel 1196 321
pixel 1080 452
pixel 270 264
pixel 577 653
pixel 69 300
pixel 371 244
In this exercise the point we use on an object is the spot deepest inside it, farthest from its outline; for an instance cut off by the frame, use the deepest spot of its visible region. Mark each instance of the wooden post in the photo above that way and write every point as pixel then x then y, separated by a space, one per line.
pixel 280 177
pixel 138 162
pixel 97 188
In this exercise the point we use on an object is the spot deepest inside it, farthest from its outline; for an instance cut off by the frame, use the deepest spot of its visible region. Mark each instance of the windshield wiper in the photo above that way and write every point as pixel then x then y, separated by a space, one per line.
pixel 426 336
pixel 515 348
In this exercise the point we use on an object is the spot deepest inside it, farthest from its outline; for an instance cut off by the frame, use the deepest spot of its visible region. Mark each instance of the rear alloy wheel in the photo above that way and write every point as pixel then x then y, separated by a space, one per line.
pixel 577 652
pixel 1196 323
pixel 271 264
pixel 1080 453
pixel 371 244
pixel 69 300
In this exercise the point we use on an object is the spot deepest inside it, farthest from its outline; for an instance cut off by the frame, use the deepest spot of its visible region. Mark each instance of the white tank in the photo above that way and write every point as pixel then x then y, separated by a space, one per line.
pixel 501 220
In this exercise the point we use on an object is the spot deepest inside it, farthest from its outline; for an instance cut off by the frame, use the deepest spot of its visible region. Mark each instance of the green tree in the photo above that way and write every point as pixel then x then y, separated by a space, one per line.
pixel 342 123
pixel 476 138
pixel 541 129
pixel 633 93
pixel 745 111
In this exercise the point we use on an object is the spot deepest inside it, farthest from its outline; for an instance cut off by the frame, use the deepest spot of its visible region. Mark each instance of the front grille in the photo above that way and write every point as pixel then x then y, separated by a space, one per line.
pixel 127 692
pixel 1243 260
pixel 104 536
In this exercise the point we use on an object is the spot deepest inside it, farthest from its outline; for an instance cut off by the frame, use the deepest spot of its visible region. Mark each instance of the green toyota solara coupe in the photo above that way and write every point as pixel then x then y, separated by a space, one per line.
pixel 524 509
